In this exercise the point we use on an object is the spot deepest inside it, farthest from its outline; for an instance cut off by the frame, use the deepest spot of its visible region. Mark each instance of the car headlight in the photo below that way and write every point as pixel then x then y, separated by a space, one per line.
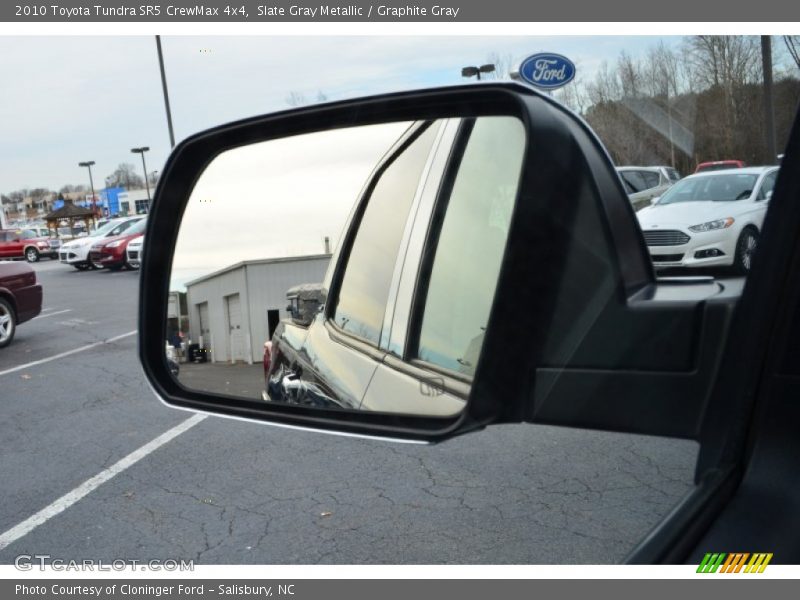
pixel 43 244
pixel 115 244
pixel 712 225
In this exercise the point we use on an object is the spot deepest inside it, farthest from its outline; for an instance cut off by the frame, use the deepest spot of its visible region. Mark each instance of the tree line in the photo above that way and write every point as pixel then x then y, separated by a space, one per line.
pixel 702 101
pixel 681 105
pixel 125 175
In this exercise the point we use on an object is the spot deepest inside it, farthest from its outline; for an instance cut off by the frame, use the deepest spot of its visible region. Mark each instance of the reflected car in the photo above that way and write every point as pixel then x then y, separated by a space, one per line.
pixel 709 219
pixel 284 382
pixel 642 184
pixel 76 252
pixel 20 298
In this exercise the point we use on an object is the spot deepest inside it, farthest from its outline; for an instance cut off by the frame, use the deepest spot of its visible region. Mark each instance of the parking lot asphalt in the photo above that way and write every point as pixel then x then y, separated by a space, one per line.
pixel 246 381
pixel 227 492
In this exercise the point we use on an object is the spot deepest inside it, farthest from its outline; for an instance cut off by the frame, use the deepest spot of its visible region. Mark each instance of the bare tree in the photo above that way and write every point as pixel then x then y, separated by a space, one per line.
pixel 630 75
pixel 299 98
pixel 573 95
pixel 296 99
pixel 69 189
pixel 724 60
pixel 503 65
pixel 125 175
pixel 793 46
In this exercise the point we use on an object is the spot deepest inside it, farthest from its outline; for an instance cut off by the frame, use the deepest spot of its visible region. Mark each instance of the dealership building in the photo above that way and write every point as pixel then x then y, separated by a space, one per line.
pixel 233 311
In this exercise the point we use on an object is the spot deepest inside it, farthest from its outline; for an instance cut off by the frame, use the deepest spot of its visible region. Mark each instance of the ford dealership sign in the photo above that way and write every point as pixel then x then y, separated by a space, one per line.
pixel 547 71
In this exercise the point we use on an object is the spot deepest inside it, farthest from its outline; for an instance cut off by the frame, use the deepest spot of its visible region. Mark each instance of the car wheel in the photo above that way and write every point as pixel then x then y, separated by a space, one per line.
pixel 81 266
pixel 114 267
pixel 745 250
pixel 8 323
pixel 31 255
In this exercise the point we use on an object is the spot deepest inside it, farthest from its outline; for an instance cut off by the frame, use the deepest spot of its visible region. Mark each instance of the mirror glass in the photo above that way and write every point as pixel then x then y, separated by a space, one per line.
pixel 345 269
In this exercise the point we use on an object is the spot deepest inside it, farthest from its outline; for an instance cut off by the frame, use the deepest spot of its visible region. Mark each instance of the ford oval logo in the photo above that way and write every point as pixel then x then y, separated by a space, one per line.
pixel 547 71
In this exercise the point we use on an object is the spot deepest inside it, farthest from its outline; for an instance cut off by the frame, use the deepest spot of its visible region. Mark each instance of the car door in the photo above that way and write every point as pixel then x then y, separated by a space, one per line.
pixel 747 494
pixel 332 363
pixel 15 245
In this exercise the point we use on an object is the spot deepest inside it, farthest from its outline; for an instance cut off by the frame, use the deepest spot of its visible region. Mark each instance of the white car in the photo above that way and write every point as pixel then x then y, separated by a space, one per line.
pixel 709 219
pixel 76 252
pixel 133 254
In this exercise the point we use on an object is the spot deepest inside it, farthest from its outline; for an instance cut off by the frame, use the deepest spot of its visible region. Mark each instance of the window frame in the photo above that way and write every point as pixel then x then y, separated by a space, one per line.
pixel 433 225
pixel 349 338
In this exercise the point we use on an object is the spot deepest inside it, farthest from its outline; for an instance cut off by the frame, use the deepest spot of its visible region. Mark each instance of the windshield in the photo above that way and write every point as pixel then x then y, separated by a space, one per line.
pixel 139 227
pixel 104 229
pixel 711 188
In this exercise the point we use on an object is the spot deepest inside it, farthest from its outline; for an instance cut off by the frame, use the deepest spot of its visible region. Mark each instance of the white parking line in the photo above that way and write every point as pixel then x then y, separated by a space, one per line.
pixel 58 312
pixel 88 486
pixel 67 353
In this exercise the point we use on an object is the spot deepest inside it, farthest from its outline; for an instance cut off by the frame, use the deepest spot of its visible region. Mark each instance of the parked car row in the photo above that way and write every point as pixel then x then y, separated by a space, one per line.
pixel 106 247
pixel 711 218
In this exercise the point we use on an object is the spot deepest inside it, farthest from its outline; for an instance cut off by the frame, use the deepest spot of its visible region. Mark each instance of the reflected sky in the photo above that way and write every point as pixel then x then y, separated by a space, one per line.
pixel 276 199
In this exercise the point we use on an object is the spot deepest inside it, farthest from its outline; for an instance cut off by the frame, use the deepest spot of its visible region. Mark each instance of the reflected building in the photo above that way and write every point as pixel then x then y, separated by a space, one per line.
pixel 233 311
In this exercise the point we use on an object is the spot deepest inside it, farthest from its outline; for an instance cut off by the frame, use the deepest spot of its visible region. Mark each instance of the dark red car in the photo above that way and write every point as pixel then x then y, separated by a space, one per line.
pixel 110 252
pixel 20 298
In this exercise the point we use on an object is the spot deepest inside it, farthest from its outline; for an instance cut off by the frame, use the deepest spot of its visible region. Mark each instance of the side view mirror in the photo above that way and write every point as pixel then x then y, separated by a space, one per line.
pixel 768 195
pixel 309 299
pixel 428 320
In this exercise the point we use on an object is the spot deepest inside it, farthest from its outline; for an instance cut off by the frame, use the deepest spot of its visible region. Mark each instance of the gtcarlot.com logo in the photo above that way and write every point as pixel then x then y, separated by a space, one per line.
pixel 736 562
pixel 42 562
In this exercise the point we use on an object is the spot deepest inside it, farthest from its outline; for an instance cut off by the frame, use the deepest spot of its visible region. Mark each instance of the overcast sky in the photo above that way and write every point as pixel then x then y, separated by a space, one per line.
pixel 76 98
pixel 277 198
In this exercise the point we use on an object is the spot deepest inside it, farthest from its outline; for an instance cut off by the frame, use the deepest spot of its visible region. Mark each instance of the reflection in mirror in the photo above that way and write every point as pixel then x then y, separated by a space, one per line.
pixel 257 309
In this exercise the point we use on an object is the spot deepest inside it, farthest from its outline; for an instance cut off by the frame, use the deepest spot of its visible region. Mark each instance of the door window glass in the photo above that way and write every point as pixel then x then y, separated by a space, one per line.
pixel 365 286
pixel 651 179
pixel 471 244
pixel 634 180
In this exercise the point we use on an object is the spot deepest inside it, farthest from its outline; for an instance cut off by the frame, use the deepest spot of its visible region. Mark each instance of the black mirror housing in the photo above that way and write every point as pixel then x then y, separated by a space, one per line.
pixel 501 389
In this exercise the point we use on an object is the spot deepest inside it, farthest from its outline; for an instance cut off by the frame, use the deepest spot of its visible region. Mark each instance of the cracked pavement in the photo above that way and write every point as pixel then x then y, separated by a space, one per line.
pixel 231 492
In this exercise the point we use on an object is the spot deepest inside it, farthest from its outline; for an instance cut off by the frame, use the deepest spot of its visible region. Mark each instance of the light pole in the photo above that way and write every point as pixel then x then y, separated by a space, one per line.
pixel 769 108
pixel 476 71
pixel 141 151
pixel 88 164
pixel 164 88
